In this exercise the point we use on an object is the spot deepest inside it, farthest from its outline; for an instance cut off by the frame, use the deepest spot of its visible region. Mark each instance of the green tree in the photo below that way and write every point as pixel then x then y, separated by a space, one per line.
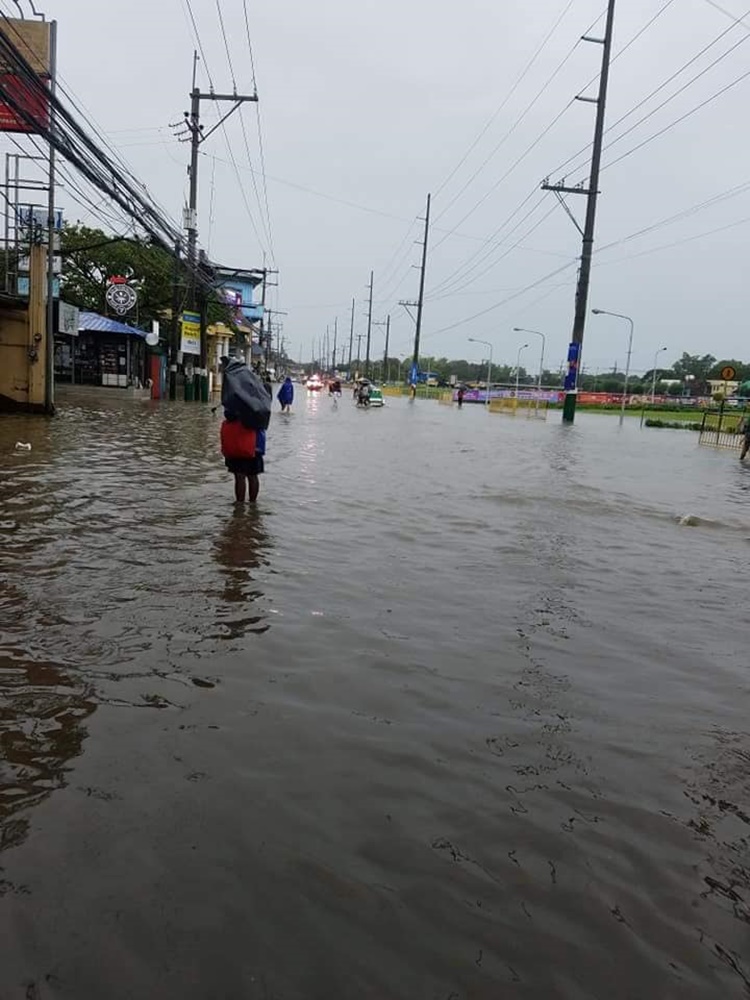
pixel 91 258
pixel 697 366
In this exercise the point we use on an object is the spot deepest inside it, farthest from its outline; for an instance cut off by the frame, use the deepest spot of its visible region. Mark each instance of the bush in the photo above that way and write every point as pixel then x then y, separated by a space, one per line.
pixel 677 425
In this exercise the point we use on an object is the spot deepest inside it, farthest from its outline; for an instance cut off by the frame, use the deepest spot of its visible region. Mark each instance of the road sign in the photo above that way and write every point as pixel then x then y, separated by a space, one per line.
pixel 728 373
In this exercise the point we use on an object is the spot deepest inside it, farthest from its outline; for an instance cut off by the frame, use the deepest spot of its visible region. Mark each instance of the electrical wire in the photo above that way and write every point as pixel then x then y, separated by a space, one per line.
pixel 653 93
pixel 519 80
pixel 447 292
pixel 226 44
pixel 502 302
pixel 265 219
pixel 261 144
pixel 480 255
pixel 199 42
pixel 678 121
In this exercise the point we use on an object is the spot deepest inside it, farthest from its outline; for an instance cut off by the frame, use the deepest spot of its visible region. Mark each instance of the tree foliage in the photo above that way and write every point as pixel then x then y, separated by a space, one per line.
pixel 92 258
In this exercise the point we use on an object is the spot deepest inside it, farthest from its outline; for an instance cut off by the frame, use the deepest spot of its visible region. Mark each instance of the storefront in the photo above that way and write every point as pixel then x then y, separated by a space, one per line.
pixel 105 352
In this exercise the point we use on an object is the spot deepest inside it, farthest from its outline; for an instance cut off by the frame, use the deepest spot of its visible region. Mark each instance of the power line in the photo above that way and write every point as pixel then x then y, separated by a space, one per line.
pixel 226 44
pixel 249 43
pixel 515 246
pixel 261 144
pixel 678 121
pixel 653 93
pixel 199 42
pixel 519 80
pixel 264 222
pixel 510 298
pixel 467 265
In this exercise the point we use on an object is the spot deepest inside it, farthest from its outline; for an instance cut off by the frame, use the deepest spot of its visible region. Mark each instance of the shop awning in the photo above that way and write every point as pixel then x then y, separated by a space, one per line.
pixel 92 322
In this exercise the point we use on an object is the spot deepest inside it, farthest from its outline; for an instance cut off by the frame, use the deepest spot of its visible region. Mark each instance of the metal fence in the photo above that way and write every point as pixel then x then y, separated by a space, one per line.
pixel 720 429
pixel 532 409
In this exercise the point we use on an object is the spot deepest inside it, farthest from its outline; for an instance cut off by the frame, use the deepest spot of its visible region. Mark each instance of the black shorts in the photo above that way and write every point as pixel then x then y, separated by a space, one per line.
pixel 245 466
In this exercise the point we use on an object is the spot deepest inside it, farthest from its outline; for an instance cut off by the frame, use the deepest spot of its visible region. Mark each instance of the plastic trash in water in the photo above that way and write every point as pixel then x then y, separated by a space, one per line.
pixel 23 446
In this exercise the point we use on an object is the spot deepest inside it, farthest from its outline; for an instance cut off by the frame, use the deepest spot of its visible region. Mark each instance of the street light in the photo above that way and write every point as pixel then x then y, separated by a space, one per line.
pixel 606 312
pixel 486 343
pixel 518 367
pixel 653 380
pixel 522 329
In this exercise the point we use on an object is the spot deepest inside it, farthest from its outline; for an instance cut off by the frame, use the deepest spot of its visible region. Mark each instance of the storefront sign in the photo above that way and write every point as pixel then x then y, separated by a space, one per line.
pixel 190 333
pixel 68 319
pixel 120 296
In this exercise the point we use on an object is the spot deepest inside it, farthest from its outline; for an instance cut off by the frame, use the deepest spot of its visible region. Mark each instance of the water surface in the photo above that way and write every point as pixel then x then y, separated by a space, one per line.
pixel 459 711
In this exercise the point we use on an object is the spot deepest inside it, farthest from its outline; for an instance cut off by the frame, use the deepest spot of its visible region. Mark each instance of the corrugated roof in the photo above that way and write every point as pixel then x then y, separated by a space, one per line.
pixel 92 322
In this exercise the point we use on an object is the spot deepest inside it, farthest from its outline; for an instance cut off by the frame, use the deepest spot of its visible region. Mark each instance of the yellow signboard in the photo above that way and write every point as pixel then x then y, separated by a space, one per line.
pixel 190 333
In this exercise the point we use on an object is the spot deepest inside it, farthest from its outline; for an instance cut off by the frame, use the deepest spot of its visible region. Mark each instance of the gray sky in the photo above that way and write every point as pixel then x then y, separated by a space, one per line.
pixel 367 106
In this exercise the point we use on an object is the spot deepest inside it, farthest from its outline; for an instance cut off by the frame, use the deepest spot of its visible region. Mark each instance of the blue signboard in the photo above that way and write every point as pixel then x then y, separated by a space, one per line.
pixel 413 374
pixel 571 378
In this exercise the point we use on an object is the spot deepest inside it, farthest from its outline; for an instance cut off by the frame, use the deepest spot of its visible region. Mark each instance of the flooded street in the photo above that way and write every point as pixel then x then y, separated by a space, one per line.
pixel 459 712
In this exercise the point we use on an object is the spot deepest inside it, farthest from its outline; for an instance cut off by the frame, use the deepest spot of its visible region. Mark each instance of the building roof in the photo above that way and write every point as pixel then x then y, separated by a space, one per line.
pixel 92 322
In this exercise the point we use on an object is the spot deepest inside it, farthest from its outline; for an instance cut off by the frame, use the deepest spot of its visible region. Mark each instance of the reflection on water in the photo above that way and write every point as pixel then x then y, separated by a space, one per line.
pixel 494 743
pixel 241 547
pixel 42 709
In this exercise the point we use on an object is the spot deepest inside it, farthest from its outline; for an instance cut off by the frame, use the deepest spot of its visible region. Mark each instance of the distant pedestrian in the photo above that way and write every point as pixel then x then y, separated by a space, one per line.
pixel 285 395
pixel 413 390
pixel 460 396
pixel 745 428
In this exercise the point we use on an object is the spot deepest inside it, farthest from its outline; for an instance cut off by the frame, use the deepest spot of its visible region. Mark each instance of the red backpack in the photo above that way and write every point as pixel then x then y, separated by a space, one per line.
pixel 237 441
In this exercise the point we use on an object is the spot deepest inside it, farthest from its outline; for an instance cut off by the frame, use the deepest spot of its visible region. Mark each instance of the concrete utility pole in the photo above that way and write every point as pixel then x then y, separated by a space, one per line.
pixel 335 339
pixel 385 352
pixel 420 300
pixel 52 234
pixel 360 337
pixel 197 138
pixel 592 192
pixel 351 341
pixel 387 326
pixel 369 328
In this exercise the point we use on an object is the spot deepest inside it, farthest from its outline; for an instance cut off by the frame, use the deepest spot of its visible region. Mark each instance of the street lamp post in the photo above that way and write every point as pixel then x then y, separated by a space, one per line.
pixel 486 343
pixel 522 329
pixel 518 367
pixel 653 380
pixel 606 312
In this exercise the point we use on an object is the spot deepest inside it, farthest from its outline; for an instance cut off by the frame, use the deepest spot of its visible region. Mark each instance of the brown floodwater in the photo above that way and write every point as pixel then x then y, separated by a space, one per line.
pixel 460 711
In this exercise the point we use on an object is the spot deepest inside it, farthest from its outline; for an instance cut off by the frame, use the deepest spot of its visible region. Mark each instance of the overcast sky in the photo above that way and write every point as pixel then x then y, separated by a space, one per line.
pixel 365 107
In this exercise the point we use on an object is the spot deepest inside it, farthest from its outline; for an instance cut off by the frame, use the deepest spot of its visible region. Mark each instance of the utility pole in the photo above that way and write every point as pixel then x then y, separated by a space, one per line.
pixel 387 338
pixel 420 300
pixel 360 337
pixel 584 272
pixel 369 328
pixel 174 346
pixel 351 341
pixel 387 326
pixel 262 342
pixel 335 338
pixel 197 138
pixel 52 235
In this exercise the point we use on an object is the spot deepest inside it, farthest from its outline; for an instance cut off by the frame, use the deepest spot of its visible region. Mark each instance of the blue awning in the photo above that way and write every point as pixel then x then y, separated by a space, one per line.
pixel 92 322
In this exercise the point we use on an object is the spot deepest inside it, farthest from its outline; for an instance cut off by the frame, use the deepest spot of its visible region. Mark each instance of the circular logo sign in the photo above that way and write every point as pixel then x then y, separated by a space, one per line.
pixel 121 298
pixel 728 373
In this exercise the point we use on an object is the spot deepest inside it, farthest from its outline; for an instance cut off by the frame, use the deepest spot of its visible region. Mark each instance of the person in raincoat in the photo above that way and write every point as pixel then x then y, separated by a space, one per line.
pixel 285 395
